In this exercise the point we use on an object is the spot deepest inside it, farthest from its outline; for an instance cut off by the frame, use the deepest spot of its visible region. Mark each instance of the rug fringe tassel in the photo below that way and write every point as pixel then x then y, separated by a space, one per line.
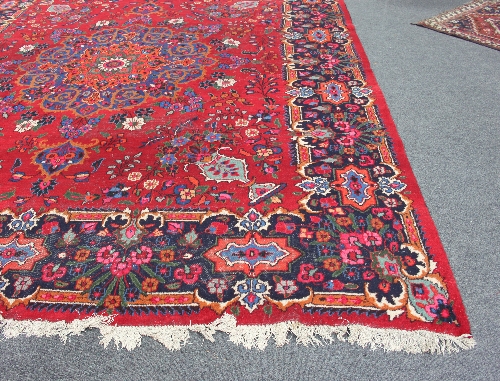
pixel 43 328
pixel 250 336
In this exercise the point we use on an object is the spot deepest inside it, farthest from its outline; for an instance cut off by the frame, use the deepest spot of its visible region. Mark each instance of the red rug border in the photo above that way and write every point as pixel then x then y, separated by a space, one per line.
pixel 427 224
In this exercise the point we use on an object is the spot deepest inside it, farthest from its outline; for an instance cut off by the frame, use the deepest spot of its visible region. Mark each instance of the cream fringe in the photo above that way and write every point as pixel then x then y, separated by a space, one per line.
pixel 250 336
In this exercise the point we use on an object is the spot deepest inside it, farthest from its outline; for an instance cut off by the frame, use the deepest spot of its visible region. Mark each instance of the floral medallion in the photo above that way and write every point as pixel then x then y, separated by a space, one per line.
pixel 113 69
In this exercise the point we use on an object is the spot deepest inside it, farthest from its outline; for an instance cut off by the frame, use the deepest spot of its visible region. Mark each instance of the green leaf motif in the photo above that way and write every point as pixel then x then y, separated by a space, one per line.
pixel 201 189
pixel 136 282
pixel 339 271
pixel 101 279
pixel 235 310
pixel 74 196
pixel 150 272
pixel 191 237
pixel 60 284
pixel 110 288
pixel 121 292
pixel 88 273
pixel 125 202
pixel 68 239
pixel 268 310
pixel 351 286
pixel 7 195
pixel 173 286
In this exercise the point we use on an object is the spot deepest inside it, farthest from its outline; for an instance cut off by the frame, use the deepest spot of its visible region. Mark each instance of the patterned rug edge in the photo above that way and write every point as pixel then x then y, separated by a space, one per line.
pixel 433 23
pixel 174 337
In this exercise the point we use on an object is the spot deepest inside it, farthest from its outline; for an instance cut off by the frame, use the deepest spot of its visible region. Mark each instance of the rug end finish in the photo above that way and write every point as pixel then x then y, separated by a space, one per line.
pixel 174 337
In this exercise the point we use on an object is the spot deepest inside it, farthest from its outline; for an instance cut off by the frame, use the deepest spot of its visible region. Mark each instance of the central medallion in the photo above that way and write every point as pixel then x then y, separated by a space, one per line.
pixel 107 67
pixel 114 68
pixel 114 64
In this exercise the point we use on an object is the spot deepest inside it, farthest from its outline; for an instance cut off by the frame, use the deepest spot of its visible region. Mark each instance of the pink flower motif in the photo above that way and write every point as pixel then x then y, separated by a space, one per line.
pixel 141 256
pixel 188 275
pixel 372 239
pixel 350 240
pixel 52 272
pixel 120 268
pixel 354 133
pixel 342 126
pixel 384 213
pixel 57 160
pixel 309 274
pixel 352 256
pixel 346 141
pixel 106 255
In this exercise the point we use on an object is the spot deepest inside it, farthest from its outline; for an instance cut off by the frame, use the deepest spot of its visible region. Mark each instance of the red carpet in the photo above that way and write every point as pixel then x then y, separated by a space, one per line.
pixel 210 166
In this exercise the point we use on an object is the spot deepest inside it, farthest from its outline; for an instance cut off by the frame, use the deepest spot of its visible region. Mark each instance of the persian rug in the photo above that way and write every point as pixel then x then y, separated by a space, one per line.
pixel 477 21
pixel 200 166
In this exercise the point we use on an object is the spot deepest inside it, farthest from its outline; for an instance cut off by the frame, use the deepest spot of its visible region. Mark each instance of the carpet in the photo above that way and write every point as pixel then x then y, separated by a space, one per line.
pixel 477 21
pixel 210 166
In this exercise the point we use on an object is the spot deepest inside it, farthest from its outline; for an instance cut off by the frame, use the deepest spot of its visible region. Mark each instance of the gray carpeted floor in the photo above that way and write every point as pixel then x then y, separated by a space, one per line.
pixel 444 96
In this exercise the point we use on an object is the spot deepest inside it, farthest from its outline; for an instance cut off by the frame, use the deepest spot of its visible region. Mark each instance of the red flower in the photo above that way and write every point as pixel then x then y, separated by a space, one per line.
pixel 106 255
pixel 342 126
pixel 309 274
pixel 188 275
pixel 396 224
pixel 218 228
pixel 366 161
pixel 328 202
pixel 120 268
pixel 368 275
pixel 285 227
pixel 323 169
pixel 384 213
pixel 52 272
pixel 394 246
pixel 142 255
pixel 50 227
pixel 334 285
pixel 8 253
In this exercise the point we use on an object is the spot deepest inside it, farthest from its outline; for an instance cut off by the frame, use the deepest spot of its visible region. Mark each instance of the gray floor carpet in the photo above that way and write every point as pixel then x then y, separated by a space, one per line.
pixel 443 93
